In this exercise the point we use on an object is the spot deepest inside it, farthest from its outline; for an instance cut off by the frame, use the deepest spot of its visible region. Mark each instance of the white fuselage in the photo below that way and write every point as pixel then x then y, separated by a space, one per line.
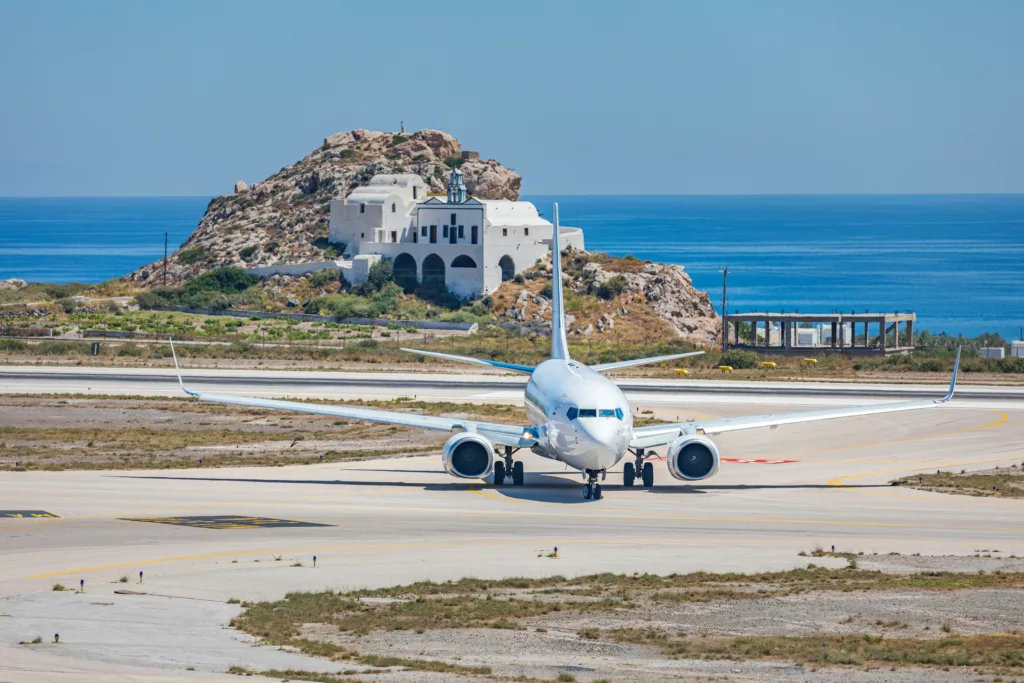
pixel 581 417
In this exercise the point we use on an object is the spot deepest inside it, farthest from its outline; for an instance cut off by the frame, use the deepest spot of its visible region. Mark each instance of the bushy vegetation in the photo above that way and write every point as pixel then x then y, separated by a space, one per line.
pixel 612 287
pixel 190 256
pixel 740 359
pixel 454 162
pixel 215 290
pixel 332 250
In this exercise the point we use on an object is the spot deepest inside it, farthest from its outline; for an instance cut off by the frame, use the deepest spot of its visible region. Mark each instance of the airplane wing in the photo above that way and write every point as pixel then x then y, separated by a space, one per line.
pixel 499 434
pixel 475 361
pixel 604 367
pixel 659 435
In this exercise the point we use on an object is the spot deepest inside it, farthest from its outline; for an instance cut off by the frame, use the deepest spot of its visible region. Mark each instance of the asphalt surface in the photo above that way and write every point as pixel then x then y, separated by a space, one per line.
pixel 378 523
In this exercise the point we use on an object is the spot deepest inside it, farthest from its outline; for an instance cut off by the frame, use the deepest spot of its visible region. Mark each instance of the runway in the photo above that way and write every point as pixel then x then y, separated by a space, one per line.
pixel 386 522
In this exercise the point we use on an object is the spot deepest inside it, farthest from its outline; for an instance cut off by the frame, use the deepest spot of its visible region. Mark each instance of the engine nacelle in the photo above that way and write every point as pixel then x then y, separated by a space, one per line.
pixel 468 455
pixel 692 458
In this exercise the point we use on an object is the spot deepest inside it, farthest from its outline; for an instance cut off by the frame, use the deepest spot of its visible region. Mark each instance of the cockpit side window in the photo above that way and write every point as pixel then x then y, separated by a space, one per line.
pixel 618 413
pixel 572 413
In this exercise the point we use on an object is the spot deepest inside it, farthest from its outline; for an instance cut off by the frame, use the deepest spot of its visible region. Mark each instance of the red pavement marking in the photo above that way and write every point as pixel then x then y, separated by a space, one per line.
pixel 758 461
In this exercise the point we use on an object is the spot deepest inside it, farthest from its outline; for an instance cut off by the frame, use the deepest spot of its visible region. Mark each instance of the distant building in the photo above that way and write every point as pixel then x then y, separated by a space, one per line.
pixel 471 245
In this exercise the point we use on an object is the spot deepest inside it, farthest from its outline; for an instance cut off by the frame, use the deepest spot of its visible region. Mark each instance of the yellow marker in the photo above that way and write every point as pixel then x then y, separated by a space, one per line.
pixel 768 364
pixel 682 371
pixel 811 361
pixel 725 368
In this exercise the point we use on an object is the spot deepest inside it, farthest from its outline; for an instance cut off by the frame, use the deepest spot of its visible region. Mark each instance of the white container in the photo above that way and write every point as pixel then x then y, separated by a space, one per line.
pixel 1017 349
pixel 992 352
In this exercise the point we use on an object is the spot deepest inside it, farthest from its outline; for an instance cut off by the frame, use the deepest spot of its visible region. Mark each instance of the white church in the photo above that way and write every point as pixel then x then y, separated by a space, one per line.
pixel 471 245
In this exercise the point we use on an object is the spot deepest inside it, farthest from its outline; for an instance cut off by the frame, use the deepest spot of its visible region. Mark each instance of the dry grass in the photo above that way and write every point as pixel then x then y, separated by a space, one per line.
pixel 1008 483
pixel 58 432
pixel 509 603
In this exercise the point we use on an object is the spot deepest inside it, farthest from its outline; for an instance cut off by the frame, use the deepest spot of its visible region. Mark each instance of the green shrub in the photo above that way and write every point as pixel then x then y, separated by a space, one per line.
pixel 225 280
pixel 345 153
pixel 13 345
pixel 454 162
pixel 612 287
pixel 398 139
pixel 1013 364
pixel 61 348
pixel 68 304
pixel 739 359
pixel 189 256
pixel 247 252
pixel 129 350
pixel 325 276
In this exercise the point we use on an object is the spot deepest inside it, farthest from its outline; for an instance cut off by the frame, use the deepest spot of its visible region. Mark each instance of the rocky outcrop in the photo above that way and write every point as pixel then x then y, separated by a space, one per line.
pixel 12 283
pixel 284 219
pixel 622 298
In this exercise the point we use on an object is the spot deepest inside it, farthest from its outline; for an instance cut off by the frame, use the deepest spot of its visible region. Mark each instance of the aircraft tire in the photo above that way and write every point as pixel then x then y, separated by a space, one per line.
pixel 628 474
pixel 517 473
pixel 648 474
pixel 499 473
pixel 587 492
pixel 597 492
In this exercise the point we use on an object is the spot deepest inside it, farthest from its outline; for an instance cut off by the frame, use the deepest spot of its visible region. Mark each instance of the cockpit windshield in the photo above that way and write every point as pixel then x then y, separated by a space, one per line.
pixel 574 412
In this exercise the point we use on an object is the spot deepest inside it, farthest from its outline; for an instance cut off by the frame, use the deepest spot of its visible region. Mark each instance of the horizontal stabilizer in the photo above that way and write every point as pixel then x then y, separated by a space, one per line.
pixel 475 361
pixel 603 367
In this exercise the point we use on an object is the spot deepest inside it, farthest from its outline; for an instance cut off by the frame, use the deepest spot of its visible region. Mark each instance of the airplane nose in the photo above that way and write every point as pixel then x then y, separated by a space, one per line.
pixel 608 439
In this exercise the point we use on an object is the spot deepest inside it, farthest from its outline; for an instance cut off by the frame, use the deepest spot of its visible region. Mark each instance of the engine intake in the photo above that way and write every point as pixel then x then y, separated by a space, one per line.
pixel 468 455
pixel 692 458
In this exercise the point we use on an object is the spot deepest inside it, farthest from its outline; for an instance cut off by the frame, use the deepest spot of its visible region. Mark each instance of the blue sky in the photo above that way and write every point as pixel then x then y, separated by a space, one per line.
pixel 676 97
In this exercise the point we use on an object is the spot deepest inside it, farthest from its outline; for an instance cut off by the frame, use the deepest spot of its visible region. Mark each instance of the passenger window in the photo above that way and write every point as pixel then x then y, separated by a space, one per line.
pixel 607 412
pixel 572 413
pixel 588 412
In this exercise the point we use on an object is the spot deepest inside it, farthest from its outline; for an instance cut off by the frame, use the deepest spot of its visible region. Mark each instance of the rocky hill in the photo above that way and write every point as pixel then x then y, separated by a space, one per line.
pixel 622 298
pixel 285 217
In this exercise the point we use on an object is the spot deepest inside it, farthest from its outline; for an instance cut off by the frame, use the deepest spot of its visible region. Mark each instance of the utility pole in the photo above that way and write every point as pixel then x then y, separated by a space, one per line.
pixel 725 327
pixel 165 259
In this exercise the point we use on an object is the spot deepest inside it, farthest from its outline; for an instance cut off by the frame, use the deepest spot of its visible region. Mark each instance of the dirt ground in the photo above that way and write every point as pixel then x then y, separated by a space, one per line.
pixel 894 613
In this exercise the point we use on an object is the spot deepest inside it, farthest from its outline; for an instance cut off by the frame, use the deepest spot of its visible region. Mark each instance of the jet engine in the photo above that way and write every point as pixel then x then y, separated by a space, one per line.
pixel 468 455
pixel 692 458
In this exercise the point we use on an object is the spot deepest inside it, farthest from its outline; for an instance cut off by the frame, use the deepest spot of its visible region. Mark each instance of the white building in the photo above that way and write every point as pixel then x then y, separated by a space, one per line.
pixel 469 244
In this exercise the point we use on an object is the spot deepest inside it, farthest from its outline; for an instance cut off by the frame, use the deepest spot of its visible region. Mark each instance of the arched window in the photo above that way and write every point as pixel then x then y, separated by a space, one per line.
pixel 403 270
pixel 508 268
pixel 463 261
pixel 433 270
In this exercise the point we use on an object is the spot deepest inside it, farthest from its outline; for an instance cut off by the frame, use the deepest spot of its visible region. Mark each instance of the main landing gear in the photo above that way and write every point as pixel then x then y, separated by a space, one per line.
pixel 507 467
pixel 638 470
pixel 592 490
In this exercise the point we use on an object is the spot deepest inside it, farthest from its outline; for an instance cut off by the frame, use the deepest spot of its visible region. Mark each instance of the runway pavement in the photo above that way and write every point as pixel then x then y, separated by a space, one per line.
pixel 386 522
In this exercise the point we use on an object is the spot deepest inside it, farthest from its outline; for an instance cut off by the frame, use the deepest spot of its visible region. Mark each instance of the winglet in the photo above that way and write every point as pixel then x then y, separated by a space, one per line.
pixel 952 383
pixel 181 383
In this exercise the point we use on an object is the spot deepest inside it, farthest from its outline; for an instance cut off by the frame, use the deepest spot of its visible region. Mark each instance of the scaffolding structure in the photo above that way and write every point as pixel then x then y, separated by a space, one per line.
pixel 851 333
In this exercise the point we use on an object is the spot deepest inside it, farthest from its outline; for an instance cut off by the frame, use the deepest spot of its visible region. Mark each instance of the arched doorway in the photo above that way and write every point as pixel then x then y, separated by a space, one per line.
pixel 433 270
pixel 463 261
pixel 403 270
pixel 508 268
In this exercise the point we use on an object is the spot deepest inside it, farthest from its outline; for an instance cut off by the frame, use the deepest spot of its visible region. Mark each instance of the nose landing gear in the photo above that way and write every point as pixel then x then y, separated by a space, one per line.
pixel 507 467
pixel 592 489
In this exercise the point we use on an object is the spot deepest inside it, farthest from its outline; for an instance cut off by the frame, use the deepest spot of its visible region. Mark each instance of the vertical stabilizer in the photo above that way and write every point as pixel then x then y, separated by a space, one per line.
pixel 559 344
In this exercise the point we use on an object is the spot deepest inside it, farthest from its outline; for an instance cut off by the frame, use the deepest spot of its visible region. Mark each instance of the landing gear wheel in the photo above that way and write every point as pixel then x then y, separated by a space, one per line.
pixel 597 492
pixel 517 473
pixel 648 474
pixel 628 474
pixel 588 491
pixel 499 473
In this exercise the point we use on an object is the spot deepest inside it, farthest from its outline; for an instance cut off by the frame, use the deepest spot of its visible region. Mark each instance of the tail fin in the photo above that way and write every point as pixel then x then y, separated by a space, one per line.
pixel 559 344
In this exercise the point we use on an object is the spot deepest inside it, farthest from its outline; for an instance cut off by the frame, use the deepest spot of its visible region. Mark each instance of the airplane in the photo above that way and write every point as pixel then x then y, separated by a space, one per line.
pixel 575 415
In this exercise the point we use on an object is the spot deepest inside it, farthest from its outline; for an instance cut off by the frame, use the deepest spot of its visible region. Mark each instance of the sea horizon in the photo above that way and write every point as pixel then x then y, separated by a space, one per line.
pixel 951 258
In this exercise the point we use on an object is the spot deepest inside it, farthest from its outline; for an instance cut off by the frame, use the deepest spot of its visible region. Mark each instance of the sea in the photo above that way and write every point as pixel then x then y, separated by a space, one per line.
pixel 955 260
